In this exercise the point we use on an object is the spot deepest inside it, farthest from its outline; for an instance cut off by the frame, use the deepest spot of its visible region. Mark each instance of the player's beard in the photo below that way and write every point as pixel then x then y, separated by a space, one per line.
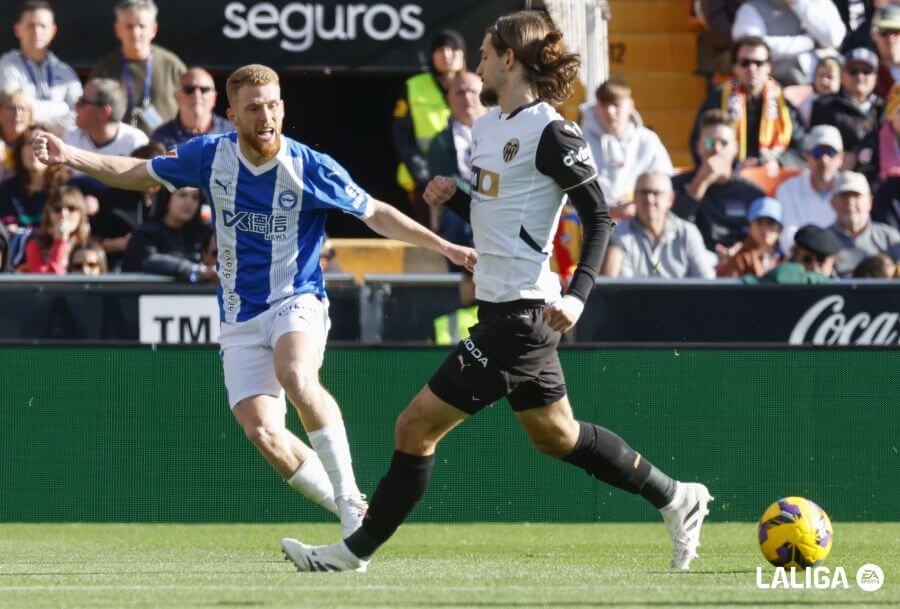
pixel 265 149
pixel 488 97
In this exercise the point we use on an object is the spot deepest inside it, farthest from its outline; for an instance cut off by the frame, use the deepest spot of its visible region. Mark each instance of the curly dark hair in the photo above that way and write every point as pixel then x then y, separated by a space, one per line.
pixel 537 45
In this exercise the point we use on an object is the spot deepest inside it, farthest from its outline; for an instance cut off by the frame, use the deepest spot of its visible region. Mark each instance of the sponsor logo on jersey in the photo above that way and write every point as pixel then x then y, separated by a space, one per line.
pixel 572 128
pixel 271 227
pixel 358 196
pixel 510 150
pixel 582 155
pixel 288 199
pixel 485 182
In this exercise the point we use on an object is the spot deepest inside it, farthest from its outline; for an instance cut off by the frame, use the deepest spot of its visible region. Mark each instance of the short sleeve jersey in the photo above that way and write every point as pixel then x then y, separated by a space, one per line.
pixel 522 165
pixel 269 219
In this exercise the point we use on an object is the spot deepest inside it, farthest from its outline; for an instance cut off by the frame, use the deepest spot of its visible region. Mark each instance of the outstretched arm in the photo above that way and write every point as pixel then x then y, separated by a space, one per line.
pixel 387 221
pixel 117 171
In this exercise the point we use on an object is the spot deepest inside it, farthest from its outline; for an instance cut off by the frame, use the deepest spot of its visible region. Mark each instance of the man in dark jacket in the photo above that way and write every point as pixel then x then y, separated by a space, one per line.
pixel 855 110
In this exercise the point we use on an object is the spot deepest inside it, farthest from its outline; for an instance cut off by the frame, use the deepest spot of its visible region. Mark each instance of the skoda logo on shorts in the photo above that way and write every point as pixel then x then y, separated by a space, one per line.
pixel 510 150
pixel 288 199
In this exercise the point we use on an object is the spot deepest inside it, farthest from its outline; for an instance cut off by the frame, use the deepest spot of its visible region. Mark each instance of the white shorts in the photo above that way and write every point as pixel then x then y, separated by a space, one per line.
pixel 248 347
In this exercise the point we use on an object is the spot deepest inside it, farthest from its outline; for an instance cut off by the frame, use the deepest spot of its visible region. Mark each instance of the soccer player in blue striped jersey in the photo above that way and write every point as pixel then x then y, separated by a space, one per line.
pixel 270 195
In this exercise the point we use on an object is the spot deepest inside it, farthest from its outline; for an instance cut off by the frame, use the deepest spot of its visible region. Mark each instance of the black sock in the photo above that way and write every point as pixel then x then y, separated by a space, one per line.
pixel 397 494
pixel 607 457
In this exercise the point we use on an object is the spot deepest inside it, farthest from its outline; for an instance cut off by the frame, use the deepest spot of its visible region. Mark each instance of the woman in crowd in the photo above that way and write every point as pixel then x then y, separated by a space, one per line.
pixel 15 117
pixel 63 226
pixel 22 196
pixel 169 242
pixel 87 259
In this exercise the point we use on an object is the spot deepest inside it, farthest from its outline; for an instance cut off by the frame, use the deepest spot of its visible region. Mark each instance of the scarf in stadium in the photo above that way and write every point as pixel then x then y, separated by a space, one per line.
pixel 775 125
pixel 888 152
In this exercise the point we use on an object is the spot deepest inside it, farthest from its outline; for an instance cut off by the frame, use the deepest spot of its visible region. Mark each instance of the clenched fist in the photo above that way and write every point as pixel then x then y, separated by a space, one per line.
pixel 439 191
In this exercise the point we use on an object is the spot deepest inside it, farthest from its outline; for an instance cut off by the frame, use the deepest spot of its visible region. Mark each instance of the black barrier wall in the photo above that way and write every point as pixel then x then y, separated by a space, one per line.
pixel 684 313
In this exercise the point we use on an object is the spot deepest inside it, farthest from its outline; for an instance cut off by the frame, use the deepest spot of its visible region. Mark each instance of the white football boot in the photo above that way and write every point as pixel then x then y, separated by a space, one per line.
pixel 336 557
pixel 351 510
pixel 684 517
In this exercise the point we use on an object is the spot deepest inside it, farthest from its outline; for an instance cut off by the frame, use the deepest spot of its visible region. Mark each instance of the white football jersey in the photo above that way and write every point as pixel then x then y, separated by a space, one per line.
pixel 522 164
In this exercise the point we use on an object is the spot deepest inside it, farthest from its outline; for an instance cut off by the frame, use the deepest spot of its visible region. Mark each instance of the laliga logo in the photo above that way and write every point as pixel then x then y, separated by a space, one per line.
pixel 837 329
pixel 869 578
pixel 300 23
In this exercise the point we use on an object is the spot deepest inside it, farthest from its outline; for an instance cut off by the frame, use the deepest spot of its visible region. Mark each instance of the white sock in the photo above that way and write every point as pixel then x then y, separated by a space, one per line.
pixel 330 443
pixel 310 480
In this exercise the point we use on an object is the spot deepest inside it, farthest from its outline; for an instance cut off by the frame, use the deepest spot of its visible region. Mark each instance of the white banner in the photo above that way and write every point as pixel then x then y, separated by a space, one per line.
pixel 174 319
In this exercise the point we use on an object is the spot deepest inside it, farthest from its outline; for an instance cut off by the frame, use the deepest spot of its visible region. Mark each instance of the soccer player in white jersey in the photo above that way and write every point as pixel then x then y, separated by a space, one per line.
pixel 525 159
pixel 270 194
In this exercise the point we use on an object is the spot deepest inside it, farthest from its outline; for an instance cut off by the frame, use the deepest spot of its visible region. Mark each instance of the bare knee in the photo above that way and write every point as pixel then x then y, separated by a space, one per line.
pixel 301 385
pixel 555 441
pixel 263 434
pixel 415 432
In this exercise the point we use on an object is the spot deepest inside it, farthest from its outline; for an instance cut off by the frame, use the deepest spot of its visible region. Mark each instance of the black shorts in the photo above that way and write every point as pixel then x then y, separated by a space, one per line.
pixel 511 352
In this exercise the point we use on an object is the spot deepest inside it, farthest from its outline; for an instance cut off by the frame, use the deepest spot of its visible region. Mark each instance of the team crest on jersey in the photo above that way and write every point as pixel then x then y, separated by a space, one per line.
pixel 288 199
pixel 510 150
pixel 485 182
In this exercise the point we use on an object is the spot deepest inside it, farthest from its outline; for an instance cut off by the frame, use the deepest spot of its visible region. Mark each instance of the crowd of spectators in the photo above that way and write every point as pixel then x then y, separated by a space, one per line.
pixel 799 141
pixel 138 100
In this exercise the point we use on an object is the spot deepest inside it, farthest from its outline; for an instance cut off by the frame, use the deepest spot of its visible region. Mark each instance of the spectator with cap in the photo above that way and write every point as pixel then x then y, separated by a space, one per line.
pixel 421 113
pixel 52 84
pixel 147 72
pixel 806 198
pixel 794 30
pixel 99 121
pixel 196 99
pixel 812 259
pixel 623 148
pixel 856 109
pixel 450 154
pixel 879 154
pixel 858 235
pixel 713 196
pixel 759 252
pixel 767 125
pixel 655 242
pixel 885 33
pixel 15 119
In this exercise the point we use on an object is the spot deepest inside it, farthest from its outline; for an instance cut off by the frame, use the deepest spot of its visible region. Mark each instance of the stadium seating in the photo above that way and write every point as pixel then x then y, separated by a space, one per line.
pixel 767 181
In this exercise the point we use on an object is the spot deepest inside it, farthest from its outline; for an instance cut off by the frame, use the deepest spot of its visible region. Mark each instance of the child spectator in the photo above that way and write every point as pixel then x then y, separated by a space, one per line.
pixel 169 242
pixel 759 252
pixel 63 226
pixel 22 196
pixel 827 81
pixel 879 266
pixel 88 259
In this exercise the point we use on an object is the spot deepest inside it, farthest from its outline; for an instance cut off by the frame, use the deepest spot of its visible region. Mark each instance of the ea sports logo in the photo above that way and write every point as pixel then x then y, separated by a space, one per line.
pixel 510 150
pixel 869 577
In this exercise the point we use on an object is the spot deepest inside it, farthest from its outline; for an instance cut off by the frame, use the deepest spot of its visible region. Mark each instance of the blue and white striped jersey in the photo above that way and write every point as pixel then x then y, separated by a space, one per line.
pixel 269 219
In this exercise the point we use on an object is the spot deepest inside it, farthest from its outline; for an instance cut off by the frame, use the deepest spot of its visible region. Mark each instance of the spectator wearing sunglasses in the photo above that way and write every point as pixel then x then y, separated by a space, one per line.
pixel 806 198
pixel 766 124
pixel 856 109
pixel 885 32
pixel 794 31
pixel 63 226
pixel 713 196
pixel 196 98
pixel 87 259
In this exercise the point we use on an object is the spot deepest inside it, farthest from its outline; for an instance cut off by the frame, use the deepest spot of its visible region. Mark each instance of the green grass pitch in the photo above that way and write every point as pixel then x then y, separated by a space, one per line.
pixel 69 566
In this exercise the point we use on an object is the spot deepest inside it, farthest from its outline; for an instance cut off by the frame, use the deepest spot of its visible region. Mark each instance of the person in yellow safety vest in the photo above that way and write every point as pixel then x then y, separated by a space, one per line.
pixel 453 327
pixel 422 112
